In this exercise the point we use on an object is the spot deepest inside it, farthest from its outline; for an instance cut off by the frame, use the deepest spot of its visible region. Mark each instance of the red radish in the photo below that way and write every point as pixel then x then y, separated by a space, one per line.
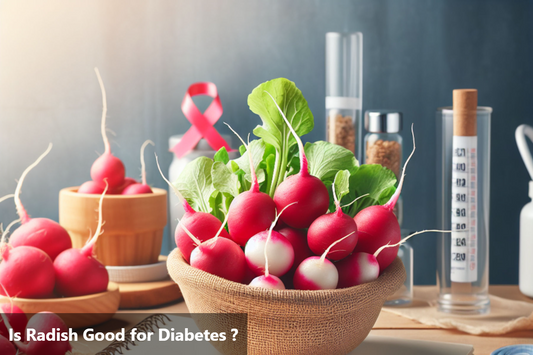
pixel 91 187
pixel 279 250
pixel 107 166
pixel 6 347
pixel 45 322
pixel 218 256
pixel 317 272
pixel 135 188
pixel 251 211
pixel 328 228
pixel 267 280
pixel 309 191
pixel 202 224
pixel 16 319
pixel 280 253
pixel 77 271
pixel 378 226
pixel 41 233
pixel 26 272
pixel 361 267
pixel 298 240
pixel 357 269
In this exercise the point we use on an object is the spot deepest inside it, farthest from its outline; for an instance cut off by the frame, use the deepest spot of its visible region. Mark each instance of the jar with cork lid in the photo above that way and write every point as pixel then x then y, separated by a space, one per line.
pixel 383 143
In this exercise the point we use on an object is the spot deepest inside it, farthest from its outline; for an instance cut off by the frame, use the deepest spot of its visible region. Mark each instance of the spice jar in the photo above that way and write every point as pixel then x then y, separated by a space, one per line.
pixel 344 90
pixel 383 144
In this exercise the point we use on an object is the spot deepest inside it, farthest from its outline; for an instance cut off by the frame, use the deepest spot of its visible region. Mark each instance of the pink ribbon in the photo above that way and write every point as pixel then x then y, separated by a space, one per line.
pixel 202 124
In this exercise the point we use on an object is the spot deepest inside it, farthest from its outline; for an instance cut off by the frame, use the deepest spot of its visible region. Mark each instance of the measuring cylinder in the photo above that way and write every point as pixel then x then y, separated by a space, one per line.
pixel 463 190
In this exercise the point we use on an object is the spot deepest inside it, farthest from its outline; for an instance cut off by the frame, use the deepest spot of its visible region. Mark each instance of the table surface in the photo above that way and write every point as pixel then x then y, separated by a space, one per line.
pixel 392 325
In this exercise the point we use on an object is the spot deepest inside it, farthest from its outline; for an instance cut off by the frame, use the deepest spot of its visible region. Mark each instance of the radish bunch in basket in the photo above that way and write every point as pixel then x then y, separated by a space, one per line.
pixel 284 215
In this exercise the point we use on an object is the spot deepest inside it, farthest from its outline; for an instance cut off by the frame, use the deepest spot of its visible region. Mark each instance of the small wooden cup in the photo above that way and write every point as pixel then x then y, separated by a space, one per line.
pixel 133 224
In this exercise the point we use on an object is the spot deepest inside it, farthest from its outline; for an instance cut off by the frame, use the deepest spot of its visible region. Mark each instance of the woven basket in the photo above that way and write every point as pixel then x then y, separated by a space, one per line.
pixel 290 321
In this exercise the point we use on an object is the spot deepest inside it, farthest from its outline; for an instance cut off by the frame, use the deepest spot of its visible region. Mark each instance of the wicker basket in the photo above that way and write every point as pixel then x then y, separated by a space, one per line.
pixel 290 321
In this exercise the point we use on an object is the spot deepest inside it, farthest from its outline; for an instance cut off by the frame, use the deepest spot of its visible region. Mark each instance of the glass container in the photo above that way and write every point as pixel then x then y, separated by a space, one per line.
pixel 463 191
pixel 383 144
pixel 344 90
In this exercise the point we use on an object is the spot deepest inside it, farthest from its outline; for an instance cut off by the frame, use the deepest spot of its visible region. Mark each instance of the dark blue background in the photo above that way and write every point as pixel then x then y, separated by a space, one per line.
pixel 415 53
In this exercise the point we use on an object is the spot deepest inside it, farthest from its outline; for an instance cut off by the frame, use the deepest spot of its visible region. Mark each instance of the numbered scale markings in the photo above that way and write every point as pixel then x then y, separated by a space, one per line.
pixel 464 210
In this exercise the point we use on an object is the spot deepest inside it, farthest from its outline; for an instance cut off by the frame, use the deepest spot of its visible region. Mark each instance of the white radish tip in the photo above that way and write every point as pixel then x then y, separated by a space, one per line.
pixel 194 239
pixel 143 165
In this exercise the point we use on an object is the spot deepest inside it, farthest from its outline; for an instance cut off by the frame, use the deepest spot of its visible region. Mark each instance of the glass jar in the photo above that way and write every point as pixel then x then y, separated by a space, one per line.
pixel 384 144
pixel 202 149
pixel 344 90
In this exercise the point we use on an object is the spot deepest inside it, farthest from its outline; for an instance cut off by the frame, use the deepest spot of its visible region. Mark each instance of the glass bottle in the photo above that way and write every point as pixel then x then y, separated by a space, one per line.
pixel 344 90
pixel 383 144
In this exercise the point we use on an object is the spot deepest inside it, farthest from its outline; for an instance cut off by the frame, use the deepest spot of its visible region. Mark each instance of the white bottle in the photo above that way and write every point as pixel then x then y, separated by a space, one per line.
pixel 525 279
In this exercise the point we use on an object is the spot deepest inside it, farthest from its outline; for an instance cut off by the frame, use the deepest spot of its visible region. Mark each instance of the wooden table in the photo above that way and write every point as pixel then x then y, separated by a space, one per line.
pixel 392 325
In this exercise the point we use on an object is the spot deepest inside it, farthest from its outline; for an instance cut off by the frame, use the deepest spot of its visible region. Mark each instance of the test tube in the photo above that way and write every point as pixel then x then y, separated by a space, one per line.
pixel 463 181
pixel 344 90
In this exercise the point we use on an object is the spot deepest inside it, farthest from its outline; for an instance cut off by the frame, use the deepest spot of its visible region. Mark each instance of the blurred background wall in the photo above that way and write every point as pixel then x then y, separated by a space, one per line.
pixel 148 52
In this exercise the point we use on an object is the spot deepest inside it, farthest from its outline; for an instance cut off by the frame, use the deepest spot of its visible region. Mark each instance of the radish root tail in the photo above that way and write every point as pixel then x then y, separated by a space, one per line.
pixel 388 245
pixel 323 256
pixel 88 248
pixel 194 239
pixel 20 208
pixel 104 112
pixel 143 165
pixel 182 199
pixel 392 202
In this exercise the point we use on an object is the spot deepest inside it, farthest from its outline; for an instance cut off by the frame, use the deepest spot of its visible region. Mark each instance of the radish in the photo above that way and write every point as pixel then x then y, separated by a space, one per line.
pixel 77 271
pixel 218 256
pixel 309 191
pixel 6 347
pixel 90 187
pixel 45 322
pixel 143 188
pixel 378 226
pixel 201 224
pixel 298 240
pixel 267 280
pixel 25 271
pixel 357 269
pixel 328 228
pixel 41 233
pixel 360 268
pixel 279 249
pixel 107 166
pixel 251 211
pixel 16 319
pixel 317 272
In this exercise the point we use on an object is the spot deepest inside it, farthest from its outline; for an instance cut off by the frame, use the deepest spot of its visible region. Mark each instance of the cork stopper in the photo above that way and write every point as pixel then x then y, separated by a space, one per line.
pixel 465 112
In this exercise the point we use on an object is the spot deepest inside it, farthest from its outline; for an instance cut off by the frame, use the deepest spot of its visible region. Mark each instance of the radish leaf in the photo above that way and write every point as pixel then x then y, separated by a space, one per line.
pixel 195 183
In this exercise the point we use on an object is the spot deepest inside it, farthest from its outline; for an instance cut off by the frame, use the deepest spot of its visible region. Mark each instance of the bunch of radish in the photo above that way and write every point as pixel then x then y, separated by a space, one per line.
pixel 290 239
pixel 110 168
pixel 14 320
pixel 39 257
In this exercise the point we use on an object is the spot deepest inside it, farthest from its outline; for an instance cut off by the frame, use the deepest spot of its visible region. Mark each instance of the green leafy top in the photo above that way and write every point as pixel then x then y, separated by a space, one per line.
pixel 210 185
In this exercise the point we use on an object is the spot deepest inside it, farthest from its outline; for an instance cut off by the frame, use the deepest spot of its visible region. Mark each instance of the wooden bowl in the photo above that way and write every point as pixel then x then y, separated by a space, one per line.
pixel 133 229
pixel 290 321
pixel 77 312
